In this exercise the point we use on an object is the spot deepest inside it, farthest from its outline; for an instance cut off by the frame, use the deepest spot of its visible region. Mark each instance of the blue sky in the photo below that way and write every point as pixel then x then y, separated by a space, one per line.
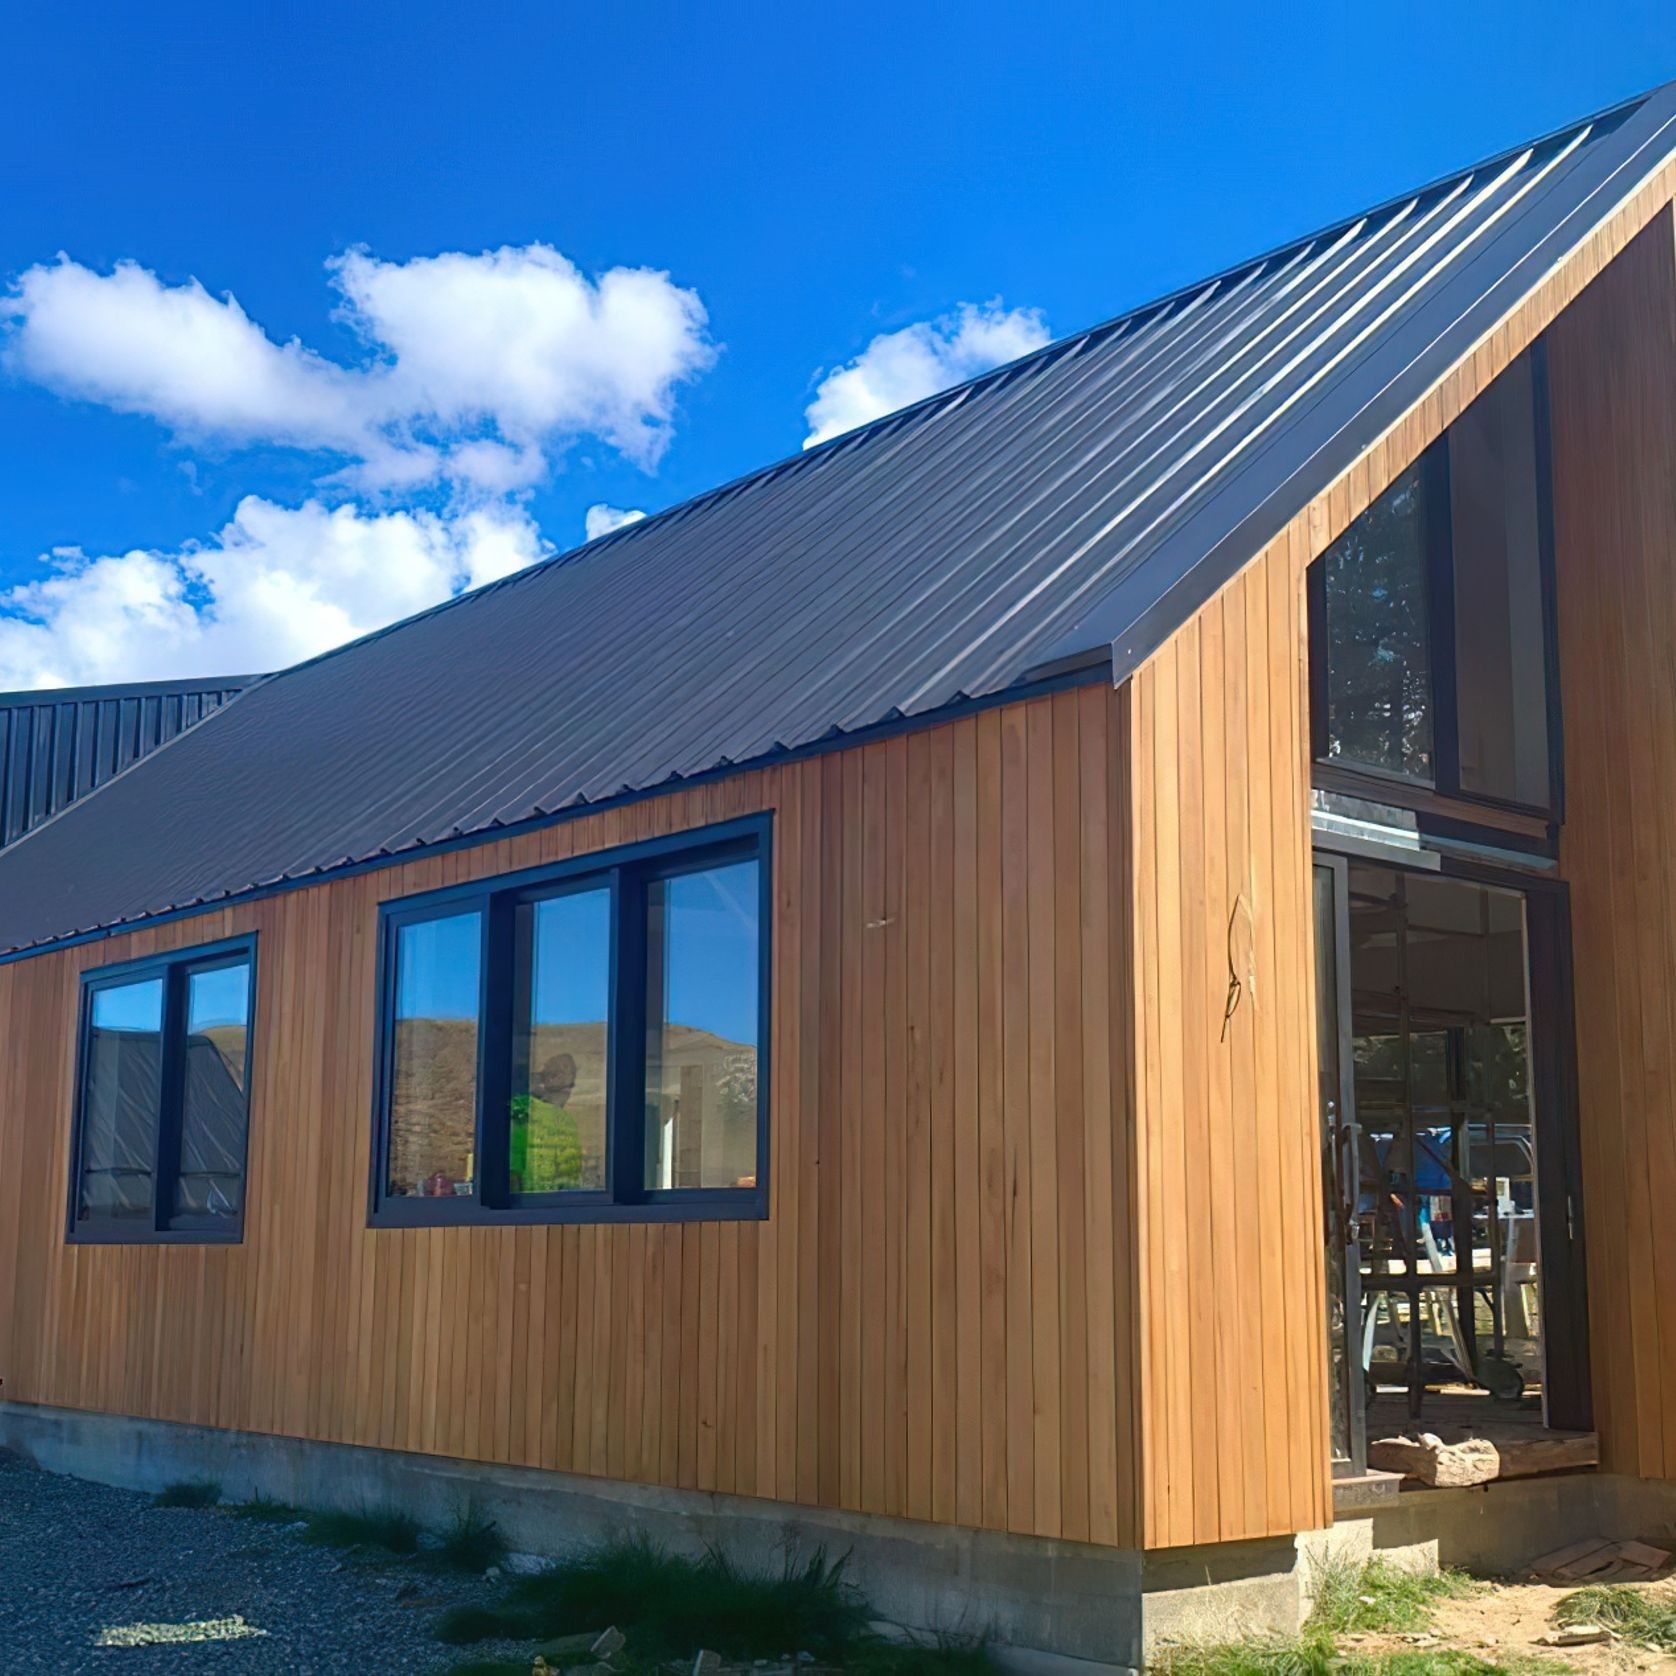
pixel 808 179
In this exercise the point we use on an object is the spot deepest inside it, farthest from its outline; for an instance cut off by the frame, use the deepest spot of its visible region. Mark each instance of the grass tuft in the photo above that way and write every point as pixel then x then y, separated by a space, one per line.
pixel 669 1606
pixel 395 1533
pixel 1644 1616
pixel 1381 1597
pixel 189 1492
pixel 471 1544
pixel 1314 1654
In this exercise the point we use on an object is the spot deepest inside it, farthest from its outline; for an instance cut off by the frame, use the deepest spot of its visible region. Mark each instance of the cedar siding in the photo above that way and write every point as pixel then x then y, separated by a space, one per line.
pixel 936 1319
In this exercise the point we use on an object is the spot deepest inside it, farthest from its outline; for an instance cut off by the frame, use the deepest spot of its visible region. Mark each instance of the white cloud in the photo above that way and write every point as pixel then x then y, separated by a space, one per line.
pixel 899 368
pixel 601 519
pixel 481 369
pixel 276 585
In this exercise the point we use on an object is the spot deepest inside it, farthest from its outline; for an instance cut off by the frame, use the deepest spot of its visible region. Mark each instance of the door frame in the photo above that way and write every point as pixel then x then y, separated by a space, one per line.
pixel 1340 1134
pixel 1567 1391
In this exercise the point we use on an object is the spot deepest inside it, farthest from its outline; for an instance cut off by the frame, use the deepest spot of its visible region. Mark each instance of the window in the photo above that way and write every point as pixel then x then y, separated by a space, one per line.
pixel 1431 642
pixel 580 1042
pixel 163 1097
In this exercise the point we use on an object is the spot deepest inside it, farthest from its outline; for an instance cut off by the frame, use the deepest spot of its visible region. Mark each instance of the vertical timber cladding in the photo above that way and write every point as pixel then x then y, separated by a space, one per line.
pixel 1612 377
pixel 935 1321
pixel 1228 1229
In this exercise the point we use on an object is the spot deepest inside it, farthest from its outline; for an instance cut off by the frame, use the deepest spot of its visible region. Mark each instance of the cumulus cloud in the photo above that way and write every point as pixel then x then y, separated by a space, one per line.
pixel 899 368
pixel 275 585
pixel 601 519
pixel 479 371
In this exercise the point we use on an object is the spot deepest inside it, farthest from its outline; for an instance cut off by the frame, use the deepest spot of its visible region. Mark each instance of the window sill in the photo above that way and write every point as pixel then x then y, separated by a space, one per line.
pixel 746 1205
pixel 153 1236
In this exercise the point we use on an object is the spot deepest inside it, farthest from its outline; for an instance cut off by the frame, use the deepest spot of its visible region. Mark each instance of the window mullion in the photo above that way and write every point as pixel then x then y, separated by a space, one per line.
pixel 1440 590
pixel 626 1036
pixel 494 1043
pixel 165 1151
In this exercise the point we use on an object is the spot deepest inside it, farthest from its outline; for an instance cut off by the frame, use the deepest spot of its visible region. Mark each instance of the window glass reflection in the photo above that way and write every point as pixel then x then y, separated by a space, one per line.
pixel 122 1090
pixel 702 992
pixel 433 1097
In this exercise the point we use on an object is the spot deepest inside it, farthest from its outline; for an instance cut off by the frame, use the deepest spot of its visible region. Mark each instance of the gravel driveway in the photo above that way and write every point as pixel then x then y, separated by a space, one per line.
pixel 80 1562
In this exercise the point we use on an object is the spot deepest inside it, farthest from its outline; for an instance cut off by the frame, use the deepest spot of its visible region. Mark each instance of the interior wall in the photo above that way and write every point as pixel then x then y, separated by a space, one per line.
pixel 1612 361
pixel 936 1319
pixel 1233 1314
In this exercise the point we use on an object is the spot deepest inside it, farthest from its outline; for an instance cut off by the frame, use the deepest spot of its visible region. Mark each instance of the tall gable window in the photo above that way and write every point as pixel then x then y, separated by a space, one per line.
pixel 163 1095
pixel 584 1042
pixel 1431 639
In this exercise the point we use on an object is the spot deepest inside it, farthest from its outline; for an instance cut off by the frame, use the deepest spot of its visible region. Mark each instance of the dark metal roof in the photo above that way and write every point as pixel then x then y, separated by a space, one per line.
pixel 1069 509
pixel 58 745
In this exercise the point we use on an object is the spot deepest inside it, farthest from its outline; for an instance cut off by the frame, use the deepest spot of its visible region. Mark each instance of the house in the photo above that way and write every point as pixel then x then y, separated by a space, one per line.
pixel 1012 993
pixel 57 746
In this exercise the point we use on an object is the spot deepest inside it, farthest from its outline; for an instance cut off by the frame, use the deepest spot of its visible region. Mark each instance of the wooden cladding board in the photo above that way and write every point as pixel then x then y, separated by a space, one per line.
pixel 1612 361
pixel 936 1321
pixel 1232 1349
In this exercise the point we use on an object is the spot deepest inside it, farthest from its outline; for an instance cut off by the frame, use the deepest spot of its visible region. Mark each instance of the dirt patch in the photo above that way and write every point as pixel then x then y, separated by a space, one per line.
pixel 1504 1624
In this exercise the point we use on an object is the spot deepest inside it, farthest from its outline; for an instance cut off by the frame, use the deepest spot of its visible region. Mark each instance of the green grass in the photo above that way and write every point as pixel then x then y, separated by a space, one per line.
pixel 1315 1654
pixel 1381 1597
pixel 395 1533
pixel 1644 1616
pixel 869 1656
pixel 669 1606
pixel 470 1544
pixel 1378 1598
pixel 189 1492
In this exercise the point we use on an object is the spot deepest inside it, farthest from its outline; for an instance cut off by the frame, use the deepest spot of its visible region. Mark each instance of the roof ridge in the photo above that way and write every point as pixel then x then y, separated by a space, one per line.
pixel 1072 343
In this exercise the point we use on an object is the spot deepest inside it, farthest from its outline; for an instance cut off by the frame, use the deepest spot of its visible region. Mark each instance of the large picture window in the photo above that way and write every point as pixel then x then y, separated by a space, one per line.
pixel 580 1042
pixel 163 1095
pixel 1432 630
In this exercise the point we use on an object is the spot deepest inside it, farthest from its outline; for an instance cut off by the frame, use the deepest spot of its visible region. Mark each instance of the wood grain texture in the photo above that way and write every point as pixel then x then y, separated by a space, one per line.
pixel 1231 1338
pixel 932 1323
pixel 1612 361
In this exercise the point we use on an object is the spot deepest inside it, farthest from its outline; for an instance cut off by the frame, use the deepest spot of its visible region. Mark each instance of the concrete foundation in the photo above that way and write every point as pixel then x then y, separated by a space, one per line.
pixel 1055 1604
pixel 1054 1607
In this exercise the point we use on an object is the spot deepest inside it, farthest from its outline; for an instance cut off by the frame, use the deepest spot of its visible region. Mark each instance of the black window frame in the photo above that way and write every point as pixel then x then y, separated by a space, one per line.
pixel 1343 774
pixel 174 969
pixel 626 871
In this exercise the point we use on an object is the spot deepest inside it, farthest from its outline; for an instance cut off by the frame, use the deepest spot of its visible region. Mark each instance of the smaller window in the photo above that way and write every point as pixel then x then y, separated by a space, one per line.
pixel 580 1042
pixel 164 1095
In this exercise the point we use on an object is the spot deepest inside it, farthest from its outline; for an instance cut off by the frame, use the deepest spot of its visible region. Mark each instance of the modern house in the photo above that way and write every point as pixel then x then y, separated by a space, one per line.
pixel 1012 993
pixel 59 745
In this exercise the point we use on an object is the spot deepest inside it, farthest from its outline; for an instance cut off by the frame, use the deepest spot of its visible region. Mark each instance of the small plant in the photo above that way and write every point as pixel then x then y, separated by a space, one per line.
pixel 1644 1616
pixel 189 1492
pixel 395 1533
pixel 1381 1597
pixel 471 1544
pixel 670 1606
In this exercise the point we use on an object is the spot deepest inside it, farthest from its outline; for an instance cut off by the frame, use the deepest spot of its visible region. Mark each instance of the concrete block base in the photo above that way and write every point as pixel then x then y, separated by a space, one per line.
pixel 1056 1605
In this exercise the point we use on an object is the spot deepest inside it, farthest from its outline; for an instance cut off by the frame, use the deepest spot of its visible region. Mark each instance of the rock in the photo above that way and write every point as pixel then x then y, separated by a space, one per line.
pixel 1578 1635
pixel 525 1565
pixel 607 1644
pixel 707 1663
pixel 494 1573
pixel 580 1643
pixel 1475 1460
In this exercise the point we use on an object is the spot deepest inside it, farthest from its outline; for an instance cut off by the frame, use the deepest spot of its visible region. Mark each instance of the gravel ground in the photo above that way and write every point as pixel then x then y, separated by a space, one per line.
pixel 79 1561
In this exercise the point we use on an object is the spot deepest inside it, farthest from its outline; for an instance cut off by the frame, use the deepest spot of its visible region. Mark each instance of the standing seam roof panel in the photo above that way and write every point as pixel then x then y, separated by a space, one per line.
pixel 1072 507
